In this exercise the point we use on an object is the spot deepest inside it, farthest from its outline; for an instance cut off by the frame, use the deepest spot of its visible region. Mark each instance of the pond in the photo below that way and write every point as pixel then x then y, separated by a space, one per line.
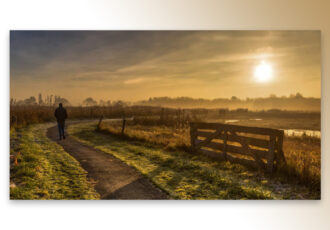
pixel 302 132
pixel 289 132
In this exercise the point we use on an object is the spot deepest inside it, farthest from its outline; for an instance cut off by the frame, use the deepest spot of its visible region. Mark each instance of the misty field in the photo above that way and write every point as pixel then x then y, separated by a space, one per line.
pixel 157 143
pixel 302 153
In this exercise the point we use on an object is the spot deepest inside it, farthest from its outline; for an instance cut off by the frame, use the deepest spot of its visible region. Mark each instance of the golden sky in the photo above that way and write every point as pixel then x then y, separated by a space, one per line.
pixel 136 65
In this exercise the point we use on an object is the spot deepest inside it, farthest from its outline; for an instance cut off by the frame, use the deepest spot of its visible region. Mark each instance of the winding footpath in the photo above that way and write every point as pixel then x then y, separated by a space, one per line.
pixel 113 178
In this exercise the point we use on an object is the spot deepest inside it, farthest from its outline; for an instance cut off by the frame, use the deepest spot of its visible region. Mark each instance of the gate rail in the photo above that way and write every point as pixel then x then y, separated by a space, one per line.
pixel 256 147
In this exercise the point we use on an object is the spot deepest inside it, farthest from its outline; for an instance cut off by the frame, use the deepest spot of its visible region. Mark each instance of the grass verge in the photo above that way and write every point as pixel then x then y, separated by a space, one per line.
pixel 186 176
pixel 303 154
pixel 45 170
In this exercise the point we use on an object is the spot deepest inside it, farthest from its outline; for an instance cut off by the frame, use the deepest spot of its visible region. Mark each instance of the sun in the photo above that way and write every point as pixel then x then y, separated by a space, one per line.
pixel 263 72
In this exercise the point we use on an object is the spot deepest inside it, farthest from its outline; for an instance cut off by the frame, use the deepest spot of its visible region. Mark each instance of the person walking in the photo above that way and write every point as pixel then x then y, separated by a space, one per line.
pixel 61 115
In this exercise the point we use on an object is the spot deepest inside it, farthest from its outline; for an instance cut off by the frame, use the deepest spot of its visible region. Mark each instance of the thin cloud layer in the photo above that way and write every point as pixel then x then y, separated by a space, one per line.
pixel 135 65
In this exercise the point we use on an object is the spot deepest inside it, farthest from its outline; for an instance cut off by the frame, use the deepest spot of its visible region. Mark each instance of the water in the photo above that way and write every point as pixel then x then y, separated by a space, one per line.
pixel 302 132
pixel 289 132
pixel 231 121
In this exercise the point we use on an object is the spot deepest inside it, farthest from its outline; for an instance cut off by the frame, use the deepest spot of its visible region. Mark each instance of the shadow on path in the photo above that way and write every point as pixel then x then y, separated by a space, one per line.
pixel 113 178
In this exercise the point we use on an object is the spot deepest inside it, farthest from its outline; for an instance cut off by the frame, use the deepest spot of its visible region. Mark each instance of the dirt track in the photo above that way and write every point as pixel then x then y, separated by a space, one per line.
pixel 114 179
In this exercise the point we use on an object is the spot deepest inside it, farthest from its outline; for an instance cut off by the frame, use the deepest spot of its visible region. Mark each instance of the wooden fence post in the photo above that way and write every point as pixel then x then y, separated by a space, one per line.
pixel 99 124
pixel 271 154
pixel 123 127
pixel 280 154
pixel 225 144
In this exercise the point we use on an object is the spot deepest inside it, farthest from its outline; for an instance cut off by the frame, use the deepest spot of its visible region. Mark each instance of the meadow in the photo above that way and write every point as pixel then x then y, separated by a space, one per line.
pixel 43 169
pixel 21 116
pixel 302 153
pixel 158 138
pixel 185 175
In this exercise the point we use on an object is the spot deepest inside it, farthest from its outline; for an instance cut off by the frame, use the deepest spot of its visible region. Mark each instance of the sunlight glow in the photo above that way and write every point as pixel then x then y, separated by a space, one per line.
pixel 263 72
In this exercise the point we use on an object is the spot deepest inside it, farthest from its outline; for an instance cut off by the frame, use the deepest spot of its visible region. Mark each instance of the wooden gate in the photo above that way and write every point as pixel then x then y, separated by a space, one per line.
pixel 253 146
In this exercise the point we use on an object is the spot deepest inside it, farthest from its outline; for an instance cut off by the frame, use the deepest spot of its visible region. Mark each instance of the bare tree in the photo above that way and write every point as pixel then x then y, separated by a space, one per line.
pixel 89 102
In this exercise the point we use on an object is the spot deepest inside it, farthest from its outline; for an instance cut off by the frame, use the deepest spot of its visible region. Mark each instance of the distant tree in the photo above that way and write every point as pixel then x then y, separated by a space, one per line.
pixel 119 104
pixel 102 103
pixel 241 110
pixel 40 101
pixel 30 101
pixel 223 111
pixel 89 102
pixel 47 100
pixel 51 100
pixel 62 100
pixel 105 103
pixel 295 101
pixel 12 101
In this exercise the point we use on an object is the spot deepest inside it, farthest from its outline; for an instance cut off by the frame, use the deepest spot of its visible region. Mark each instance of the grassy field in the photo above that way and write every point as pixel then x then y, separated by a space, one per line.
pixel 20 116
pixel 184 175
pixel 303 154
pixel 45 170
pixel 157 143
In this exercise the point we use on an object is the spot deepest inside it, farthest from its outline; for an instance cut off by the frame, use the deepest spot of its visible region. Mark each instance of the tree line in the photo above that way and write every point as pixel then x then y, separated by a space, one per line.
pixel 293 102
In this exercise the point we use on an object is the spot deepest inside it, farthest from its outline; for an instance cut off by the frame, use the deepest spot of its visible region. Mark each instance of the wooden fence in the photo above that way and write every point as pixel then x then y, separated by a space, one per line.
pixel 253 146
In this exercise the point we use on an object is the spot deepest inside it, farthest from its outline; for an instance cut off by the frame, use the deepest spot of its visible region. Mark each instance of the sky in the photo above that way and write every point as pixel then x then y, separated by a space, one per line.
pixel 137 65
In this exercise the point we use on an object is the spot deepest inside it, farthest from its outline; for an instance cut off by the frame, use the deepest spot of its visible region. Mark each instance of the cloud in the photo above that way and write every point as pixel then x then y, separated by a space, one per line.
pixel 139 80
pixel 134 81
pixel 202 60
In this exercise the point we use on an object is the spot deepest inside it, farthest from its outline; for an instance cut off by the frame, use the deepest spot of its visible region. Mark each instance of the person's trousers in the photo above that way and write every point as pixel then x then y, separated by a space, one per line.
pixel 61 129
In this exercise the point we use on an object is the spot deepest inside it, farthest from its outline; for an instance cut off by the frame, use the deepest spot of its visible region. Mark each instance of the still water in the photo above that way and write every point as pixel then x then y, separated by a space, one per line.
pixel 290 132
pixel 302 132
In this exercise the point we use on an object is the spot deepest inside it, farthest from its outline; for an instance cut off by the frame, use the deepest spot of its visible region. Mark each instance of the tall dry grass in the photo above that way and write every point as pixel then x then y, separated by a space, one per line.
pixel 303 154
pixel 25 115
pixel 170 128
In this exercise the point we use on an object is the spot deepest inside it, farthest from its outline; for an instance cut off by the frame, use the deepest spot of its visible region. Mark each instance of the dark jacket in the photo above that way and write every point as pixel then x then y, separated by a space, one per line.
pixel 60 114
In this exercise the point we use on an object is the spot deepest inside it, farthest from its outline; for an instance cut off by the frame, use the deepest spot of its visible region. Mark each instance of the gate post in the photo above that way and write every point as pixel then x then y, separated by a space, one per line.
pixel 271 154
pixel 225 143
pixel 193 131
